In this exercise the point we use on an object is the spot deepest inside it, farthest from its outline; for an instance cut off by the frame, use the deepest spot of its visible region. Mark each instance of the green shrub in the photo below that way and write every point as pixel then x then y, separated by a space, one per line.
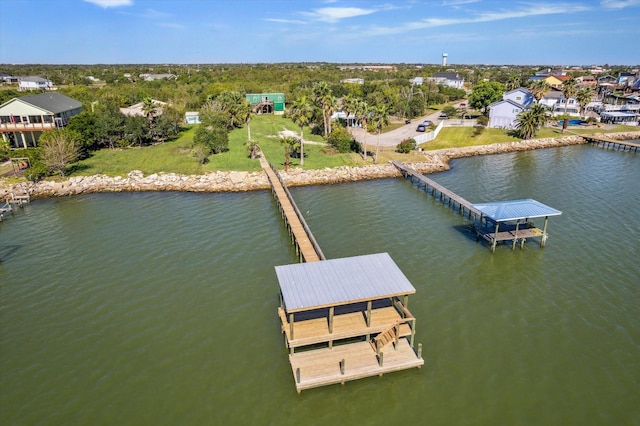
pixel 340 139
pixel 477 130
pixel 406 146
pixel 483 120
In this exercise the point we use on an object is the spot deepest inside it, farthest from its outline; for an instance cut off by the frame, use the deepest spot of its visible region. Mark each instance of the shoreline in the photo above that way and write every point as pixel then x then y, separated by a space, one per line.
pixel 233 181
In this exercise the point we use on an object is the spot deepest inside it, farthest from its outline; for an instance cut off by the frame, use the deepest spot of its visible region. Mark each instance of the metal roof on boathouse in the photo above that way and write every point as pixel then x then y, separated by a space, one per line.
pixel 334 282
pixel 503 211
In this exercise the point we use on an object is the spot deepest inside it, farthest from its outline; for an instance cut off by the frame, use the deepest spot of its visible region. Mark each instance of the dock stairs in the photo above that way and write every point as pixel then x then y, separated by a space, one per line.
pixel 388 336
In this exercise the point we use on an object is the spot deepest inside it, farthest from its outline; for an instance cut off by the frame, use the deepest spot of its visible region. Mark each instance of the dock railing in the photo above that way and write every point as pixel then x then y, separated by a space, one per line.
pixel 306 228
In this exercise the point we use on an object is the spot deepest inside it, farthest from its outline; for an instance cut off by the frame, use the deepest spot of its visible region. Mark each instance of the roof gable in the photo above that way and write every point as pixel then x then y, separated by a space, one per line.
pixel 507 101
pixel 52 102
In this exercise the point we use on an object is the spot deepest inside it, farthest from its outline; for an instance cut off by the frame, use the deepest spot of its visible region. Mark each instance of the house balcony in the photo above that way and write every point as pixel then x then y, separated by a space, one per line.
pixel 26 127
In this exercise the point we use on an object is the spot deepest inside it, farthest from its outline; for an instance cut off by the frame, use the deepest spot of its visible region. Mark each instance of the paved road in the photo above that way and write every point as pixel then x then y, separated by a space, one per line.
pixel 396 136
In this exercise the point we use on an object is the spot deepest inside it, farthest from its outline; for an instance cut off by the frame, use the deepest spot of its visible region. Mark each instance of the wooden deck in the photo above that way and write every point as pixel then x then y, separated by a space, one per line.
pixel 313 331
pixel 305 244
pixel 347 362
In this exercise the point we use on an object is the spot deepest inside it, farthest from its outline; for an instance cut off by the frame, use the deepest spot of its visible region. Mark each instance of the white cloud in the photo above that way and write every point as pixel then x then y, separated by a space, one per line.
pixel 334 14
pixel 619 4
pixel 532 10
pixel 285 21
pixel 110 3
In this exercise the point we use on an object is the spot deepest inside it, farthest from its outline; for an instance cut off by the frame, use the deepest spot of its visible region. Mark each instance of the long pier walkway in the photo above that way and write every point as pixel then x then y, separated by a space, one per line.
pixel 447 197
pixel 491 227
pixel 606 143
pixel 302 238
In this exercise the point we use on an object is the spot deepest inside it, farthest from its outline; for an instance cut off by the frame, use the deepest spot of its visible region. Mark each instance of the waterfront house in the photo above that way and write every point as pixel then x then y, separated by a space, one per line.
pixel 137 109
pixel 22 120
pixel 503 114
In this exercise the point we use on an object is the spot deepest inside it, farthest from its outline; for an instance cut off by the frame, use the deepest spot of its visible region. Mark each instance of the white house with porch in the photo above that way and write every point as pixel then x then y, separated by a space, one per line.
pixel 34 83
pixel 22 120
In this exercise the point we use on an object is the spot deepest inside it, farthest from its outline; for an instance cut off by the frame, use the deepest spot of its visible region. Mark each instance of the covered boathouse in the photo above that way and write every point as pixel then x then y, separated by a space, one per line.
pixel 346 319
pixel 509 221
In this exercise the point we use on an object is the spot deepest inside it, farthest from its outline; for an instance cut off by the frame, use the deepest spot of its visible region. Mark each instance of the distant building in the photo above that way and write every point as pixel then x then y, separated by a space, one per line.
pixel 417 81
pixel 353 80
pixel 34 83
pixel 266 103
pixel 450 79
pixel 192 117
pixel 137 109
pixel 22 120
pixel 152 77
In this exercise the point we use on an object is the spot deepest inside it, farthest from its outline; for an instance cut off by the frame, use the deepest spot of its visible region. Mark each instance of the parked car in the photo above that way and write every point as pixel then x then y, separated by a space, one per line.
pixel 421 128
pixel 427 122
pixel 407 121
pixel 443 116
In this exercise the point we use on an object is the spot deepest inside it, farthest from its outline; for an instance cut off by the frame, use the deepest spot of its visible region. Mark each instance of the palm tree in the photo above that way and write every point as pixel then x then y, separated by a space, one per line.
pixel 583 97
pixel 149 109
pixel 530 121
pixel 362 112
pixel 349 104
pixel 301 113
pixel 569 89
pixel 513 82
pixel 539 88
pixel 322 95
pixel 253 148
pixel 290 143
pixel 379 118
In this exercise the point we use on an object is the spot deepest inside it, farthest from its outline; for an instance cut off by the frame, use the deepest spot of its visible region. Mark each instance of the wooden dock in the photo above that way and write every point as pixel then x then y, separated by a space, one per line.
pixel 446 197
pixel 486 227
pixel 606 143
pixel 346 319
pixel 306 246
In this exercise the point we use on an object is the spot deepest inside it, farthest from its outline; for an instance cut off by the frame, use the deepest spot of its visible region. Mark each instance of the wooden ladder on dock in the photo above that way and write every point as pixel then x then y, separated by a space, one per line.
pixel 383 339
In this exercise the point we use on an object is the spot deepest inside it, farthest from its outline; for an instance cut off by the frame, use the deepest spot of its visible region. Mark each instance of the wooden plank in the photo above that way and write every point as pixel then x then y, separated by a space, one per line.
pixel 321 367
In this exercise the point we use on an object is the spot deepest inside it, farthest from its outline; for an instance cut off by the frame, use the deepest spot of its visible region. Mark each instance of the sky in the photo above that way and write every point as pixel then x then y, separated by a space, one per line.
pixel 494 32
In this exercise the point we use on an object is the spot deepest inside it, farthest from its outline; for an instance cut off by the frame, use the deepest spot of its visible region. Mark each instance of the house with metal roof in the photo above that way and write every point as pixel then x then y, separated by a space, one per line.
pixel 345 319
pixel 34 83
pixel 22 120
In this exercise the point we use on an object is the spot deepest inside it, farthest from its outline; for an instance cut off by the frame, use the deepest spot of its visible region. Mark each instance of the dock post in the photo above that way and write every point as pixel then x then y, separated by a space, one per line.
pixel 495 238
pixel 298 374
pixel 342 367
pixel 381 360
pixel 419 350
pixel 515 238
pixel 543 240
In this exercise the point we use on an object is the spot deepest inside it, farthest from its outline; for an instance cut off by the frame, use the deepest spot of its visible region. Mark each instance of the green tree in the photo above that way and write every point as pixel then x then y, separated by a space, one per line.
pixel 362 113
pixel 323 97
pixel 149 109
pixel 379 119
pixel 59 148
pixel 340 139
pixel 484 94
pixel 301 113
pixel 569 89
pixel 513 82
pixel 290 143
pixel 583 97
pixel 530 121
pixel 538 89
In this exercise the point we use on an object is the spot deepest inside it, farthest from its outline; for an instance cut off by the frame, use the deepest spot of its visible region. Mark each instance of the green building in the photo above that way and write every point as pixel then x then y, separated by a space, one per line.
pixel 263 103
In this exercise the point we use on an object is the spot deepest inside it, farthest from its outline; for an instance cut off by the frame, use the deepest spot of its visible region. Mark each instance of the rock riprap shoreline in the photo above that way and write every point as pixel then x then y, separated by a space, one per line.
pixel 435 161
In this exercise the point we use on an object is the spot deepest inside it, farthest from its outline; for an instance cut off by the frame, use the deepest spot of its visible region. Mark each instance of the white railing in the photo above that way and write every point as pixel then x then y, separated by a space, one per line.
pixel 16 127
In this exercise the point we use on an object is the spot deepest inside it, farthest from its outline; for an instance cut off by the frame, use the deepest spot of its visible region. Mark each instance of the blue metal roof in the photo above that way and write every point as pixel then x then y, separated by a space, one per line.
pixel 502 211
pixel 335 282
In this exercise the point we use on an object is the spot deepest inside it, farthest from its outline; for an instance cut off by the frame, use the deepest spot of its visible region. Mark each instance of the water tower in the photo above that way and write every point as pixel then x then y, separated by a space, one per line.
pixel 444 59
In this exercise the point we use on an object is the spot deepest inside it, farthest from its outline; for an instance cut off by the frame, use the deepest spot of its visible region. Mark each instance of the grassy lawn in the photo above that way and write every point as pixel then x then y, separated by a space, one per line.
pixel 175 156
pixel 458 137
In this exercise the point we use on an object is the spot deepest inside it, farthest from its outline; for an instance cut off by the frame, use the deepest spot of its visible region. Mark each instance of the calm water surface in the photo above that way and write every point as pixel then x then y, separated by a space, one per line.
pixel 160 308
